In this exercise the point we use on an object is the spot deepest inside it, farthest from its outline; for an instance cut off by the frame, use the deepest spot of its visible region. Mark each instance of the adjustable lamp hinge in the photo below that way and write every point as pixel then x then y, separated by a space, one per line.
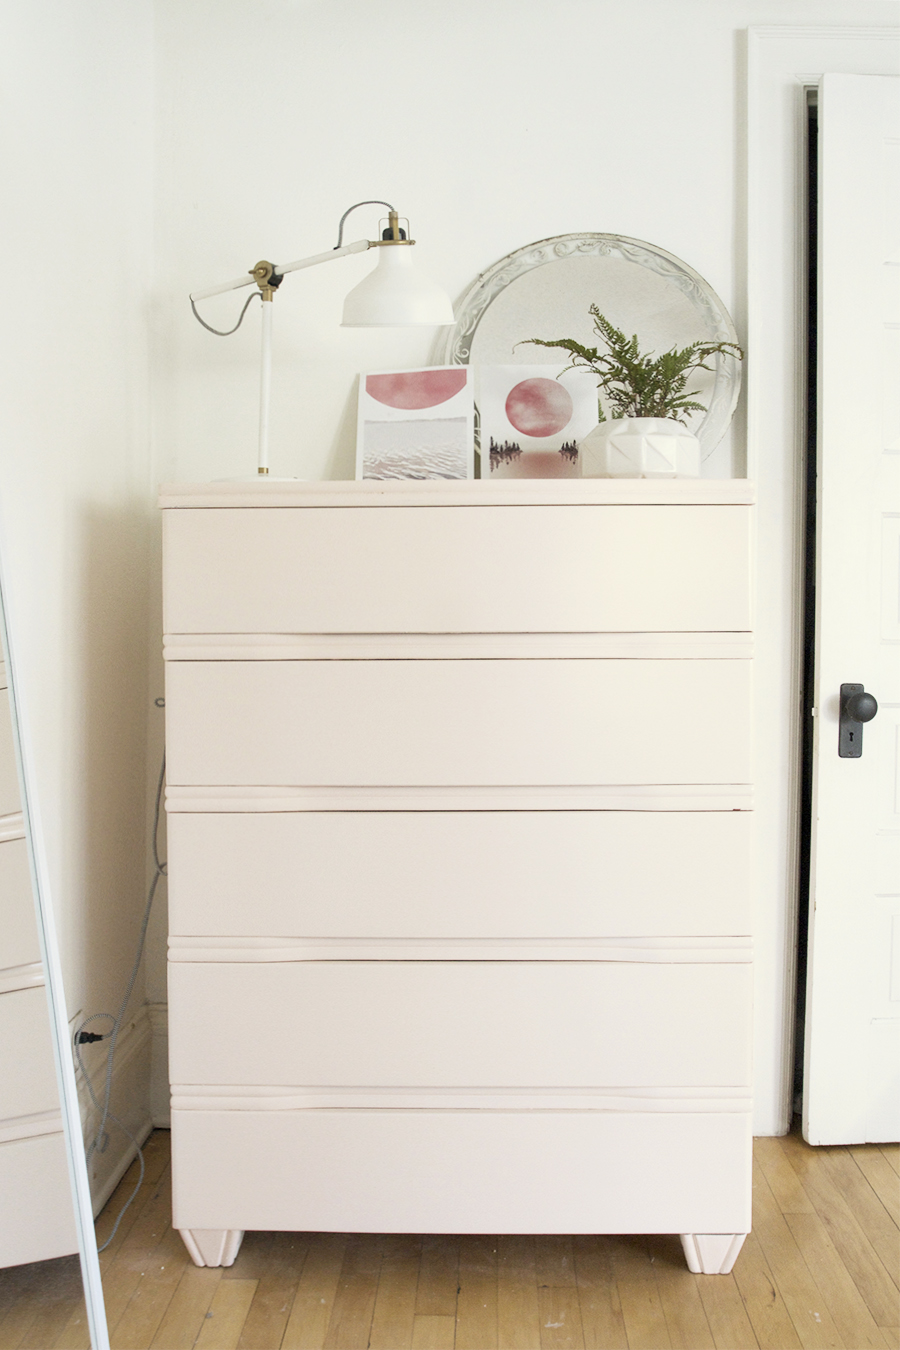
pixel 266 278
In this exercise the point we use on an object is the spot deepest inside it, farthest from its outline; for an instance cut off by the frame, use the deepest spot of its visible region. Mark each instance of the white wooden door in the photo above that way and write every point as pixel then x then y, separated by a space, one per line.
pixel 852 1070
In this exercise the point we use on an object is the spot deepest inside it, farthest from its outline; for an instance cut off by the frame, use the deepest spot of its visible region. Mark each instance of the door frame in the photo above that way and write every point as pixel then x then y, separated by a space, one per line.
pixel 781 64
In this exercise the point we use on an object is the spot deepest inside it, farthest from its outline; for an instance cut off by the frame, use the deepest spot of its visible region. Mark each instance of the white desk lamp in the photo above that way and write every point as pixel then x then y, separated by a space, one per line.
pixel 394 295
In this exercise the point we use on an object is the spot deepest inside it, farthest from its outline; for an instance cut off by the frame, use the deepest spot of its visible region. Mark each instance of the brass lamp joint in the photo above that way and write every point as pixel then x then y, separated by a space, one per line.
pixel 266 278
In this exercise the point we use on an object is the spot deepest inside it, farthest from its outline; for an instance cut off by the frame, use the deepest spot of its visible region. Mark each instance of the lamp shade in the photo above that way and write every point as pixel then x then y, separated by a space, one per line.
pixel 396 295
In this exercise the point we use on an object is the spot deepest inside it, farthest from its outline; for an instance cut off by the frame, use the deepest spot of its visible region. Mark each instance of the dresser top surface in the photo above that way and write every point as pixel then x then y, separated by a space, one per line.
pixel 472 492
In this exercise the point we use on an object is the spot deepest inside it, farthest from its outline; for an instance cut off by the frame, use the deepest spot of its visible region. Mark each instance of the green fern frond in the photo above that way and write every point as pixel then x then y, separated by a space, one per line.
pixel 636 383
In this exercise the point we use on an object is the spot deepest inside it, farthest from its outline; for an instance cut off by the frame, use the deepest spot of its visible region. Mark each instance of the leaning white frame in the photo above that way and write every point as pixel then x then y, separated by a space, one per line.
pixel 53 983
pixel 781 64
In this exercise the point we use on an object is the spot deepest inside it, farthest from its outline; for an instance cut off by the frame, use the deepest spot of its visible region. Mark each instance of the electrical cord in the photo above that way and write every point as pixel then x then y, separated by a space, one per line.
pixel 101 1137
pixel 226 332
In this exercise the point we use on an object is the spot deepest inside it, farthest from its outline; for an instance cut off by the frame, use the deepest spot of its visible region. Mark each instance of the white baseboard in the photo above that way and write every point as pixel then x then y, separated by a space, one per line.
pixel 129 1101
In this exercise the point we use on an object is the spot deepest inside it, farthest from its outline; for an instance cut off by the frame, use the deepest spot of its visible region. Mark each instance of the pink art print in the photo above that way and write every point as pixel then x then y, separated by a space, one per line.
pixel 532 419
pixel 416 424
pixel 416 388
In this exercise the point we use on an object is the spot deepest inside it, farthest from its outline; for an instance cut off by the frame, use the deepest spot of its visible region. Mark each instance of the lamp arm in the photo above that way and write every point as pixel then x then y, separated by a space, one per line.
pixel 280 269
pixel 359 246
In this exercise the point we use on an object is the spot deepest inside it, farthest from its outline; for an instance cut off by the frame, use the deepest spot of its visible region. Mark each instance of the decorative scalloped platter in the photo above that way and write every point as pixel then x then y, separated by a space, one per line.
pixel 544 291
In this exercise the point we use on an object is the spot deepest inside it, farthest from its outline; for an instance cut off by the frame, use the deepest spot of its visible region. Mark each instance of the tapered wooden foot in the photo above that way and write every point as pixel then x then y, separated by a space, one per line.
pixel 212 1246
pixel 711 1253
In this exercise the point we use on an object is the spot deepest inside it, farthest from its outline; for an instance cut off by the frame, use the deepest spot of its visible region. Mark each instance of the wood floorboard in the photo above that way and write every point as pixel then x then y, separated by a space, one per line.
pixel 476 1308
pixel 763 1303
pixel 22 1292
pixel 876 1284
pixel 881 1177
pixel 726 1313
pixel 682 1306
pixel 354 1302
pixel 642 1309
pixel 224 1322
pixel 277 1272
pixel 868 1210
pixel 560 1312
pixel 518 1309
pixel 803 1299
pixel 315 1294
pixel 432 1331
pixel 602 1322
pixel 892 1153
pixel 819 1270
pixel 438 1287
pixel 55 1307
pixel 845 1303
pixel 395 1298
pixel 147 1306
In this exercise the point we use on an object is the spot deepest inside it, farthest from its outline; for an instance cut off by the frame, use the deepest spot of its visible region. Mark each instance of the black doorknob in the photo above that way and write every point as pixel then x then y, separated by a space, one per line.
pixel 862 707
pixel 857 707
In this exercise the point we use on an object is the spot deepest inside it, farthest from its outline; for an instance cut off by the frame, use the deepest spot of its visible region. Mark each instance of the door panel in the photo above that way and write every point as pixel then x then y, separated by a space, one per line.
pixel 852 1075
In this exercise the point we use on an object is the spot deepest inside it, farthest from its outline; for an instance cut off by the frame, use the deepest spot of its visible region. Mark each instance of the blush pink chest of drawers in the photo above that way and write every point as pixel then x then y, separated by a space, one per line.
pixel 459 836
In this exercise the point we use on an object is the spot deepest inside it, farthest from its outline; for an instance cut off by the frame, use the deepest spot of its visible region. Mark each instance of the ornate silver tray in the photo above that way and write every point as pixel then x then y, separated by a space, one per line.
pixel 543 291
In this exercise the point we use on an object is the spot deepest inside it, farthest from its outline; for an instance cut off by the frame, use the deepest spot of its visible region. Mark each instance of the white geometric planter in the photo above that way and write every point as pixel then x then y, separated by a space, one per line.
pixel 639 447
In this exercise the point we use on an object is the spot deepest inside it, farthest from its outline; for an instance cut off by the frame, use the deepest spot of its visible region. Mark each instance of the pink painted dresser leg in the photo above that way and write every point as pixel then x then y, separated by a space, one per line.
pixel 212 1246
pixel 711 1253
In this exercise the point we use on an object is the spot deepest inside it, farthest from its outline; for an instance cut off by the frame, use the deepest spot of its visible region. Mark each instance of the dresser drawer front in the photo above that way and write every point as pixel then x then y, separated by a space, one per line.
pixel 459 874
pixel 27 1075
pixel 37 1205
pixel 467 1024
pixel 457 722
pixel 10 801
pixel 19 943
pixel 451 570
pixel 461 1172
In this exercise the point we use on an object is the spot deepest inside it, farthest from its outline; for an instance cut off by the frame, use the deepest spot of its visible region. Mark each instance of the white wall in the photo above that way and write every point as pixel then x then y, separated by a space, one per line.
pixel 492 124
pixel 75 482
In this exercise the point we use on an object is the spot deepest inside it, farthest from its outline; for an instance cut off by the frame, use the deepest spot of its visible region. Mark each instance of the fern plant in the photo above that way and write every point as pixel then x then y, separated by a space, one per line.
pixel 636 383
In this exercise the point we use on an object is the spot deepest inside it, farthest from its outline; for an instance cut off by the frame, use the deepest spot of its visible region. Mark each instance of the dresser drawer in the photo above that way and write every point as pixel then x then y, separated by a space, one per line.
pixel 27 1073
pixel 36 1191
pixel 458 722
pixel 461 1171
pixel 455 1023
pixel 9 781
pixel 19 944
pixel 459 874
pixel 491 569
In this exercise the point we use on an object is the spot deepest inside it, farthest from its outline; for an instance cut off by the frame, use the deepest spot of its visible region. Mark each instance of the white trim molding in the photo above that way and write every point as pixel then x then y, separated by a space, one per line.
pixel 782 63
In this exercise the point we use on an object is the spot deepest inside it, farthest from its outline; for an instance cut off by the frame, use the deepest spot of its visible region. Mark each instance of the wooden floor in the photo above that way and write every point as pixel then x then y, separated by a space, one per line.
pixel 819 1269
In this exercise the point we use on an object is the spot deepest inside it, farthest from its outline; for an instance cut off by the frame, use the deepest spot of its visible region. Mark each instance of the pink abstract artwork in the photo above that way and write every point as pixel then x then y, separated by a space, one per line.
pixel 532 419
pixel 416 388
pixel 416 424
pixel 539 407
